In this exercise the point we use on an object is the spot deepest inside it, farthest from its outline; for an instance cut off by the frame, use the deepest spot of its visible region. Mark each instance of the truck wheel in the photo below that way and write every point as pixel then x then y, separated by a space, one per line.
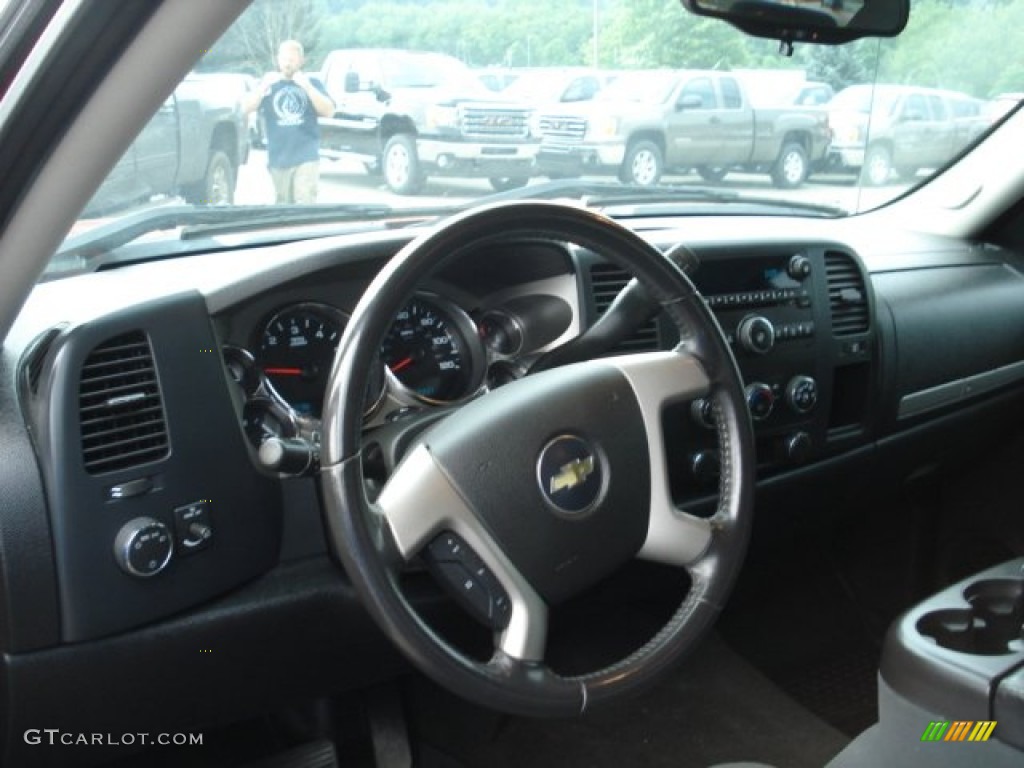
pixel 505 183
pixel 792 167
pixel 402 165
pixel 643 165
pixel 217 186
pixel 712 172
pixel 877 165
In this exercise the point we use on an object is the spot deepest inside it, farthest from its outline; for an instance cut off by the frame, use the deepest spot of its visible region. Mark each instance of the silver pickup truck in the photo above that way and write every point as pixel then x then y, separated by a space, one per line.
pixel 879 130
pixel 646 123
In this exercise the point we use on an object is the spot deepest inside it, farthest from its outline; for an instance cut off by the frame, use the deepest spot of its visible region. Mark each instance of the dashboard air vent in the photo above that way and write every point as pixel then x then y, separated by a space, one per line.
pixel 847 296
pixel 606 280
pixel 120 406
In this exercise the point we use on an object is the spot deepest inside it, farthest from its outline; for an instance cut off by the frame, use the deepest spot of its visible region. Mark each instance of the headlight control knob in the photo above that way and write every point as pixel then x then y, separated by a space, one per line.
pixel 756 334
pixel 143 547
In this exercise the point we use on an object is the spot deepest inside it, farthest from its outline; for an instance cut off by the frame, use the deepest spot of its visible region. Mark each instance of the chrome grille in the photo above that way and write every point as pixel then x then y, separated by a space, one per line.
pixel 494 123
pixel 562 129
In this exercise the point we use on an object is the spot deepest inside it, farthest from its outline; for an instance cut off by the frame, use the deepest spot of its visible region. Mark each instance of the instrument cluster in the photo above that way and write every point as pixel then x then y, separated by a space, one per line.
pixel 435 353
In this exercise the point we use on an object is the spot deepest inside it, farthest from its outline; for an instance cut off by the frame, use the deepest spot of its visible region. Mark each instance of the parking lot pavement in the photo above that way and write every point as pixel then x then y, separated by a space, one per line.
pixel 344 181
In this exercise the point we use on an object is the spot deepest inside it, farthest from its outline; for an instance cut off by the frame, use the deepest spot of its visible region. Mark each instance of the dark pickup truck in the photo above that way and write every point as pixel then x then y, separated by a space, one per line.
pixel 191 148
pixel 410 114
pixel 648 122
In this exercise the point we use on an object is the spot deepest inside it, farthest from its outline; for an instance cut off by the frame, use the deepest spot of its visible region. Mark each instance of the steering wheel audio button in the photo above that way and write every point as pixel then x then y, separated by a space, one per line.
pixel 468 579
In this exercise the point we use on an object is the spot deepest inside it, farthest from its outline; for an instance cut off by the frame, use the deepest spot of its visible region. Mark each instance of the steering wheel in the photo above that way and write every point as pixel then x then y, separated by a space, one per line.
pixel 537 490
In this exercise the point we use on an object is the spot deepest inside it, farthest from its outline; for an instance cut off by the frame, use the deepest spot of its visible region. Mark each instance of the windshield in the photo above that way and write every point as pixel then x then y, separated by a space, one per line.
pixel 329 108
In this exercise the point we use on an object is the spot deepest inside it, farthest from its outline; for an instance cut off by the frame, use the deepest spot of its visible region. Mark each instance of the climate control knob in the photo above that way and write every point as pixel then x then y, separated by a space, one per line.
pixel 143 547
pixel 760 400
pixel 756 334
pixel 802 394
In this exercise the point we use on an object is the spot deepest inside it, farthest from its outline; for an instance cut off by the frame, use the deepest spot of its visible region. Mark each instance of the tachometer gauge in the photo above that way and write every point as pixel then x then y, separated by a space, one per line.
pixel 296 351
pixel 432 349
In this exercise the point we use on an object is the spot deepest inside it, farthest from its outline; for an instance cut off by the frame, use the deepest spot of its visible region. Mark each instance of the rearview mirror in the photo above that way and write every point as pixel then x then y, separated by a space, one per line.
pixel 809 21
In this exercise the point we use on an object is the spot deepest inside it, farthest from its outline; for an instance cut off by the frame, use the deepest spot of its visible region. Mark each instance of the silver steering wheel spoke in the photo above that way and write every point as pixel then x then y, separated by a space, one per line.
pixel 420 503
pixel 660 379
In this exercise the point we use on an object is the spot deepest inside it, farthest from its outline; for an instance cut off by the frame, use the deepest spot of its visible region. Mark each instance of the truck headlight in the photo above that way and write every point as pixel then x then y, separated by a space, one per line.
pixel 443 117
pixel 603 128
pixel 849 134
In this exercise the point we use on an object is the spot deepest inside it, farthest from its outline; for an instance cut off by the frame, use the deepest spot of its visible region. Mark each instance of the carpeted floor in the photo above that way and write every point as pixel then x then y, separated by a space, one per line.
pixel 717 708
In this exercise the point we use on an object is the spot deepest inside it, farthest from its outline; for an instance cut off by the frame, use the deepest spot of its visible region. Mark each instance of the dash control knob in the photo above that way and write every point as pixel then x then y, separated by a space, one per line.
pixel 703 412
pixel 802 394
pixel 706 467
pixel 799 267
pixel 756 334
pixel 798 447
pixel 760 400
pixel 143 547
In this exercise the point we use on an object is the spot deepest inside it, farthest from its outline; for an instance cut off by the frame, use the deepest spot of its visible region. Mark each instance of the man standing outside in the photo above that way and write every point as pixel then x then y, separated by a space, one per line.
pixel 289 101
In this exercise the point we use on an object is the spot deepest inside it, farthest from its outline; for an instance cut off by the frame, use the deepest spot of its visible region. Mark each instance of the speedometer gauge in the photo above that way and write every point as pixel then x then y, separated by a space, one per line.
pixel 433 351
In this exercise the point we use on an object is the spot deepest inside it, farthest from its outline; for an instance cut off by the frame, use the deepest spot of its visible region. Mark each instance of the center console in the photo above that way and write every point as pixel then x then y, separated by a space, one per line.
pixel 951 685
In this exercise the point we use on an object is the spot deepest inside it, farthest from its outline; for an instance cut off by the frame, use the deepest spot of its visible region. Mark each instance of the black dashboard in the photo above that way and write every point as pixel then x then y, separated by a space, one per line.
pixel 140 507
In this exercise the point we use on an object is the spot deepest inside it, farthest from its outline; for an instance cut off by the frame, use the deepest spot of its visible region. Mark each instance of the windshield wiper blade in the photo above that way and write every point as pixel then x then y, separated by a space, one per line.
pixel 599 193
pixel 203 222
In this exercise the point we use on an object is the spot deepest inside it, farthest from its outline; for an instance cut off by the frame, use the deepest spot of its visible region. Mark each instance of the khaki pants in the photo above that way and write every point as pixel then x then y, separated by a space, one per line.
pixel 296 184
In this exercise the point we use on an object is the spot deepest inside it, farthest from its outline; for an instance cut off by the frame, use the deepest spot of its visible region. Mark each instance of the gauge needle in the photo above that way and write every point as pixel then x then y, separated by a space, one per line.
pixel 283 371
pixel 405 362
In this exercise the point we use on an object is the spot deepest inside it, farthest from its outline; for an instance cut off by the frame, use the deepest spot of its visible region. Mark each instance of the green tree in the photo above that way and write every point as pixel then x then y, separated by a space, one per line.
pixel 250 45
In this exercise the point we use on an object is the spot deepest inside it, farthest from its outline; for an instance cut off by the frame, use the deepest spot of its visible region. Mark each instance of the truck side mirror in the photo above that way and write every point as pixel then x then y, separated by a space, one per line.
pixel 351 82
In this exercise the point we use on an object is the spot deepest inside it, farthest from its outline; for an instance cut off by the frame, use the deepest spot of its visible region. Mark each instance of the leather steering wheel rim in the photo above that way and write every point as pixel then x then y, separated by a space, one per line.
pixel 372 543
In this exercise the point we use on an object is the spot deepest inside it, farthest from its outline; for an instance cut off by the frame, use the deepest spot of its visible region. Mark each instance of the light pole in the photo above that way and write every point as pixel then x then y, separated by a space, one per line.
pixel 594 34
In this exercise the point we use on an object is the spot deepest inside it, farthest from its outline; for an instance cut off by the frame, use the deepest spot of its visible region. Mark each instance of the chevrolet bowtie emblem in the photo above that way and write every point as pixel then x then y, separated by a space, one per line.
pixel 572 474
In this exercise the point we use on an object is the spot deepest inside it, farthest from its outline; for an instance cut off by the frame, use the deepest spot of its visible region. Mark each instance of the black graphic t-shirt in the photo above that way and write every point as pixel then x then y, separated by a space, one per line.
pixel 293 134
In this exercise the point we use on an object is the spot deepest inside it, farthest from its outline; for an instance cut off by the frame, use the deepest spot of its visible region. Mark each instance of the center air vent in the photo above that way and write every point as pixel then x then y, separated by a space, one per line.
pixel 847 296
pixel 121 410
pixel 606 280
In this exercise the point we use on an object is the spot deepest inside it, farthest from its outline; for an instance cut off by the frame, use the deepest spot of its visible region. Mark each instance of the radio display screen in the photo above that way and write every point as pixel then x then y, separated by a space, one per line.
pixel 743 276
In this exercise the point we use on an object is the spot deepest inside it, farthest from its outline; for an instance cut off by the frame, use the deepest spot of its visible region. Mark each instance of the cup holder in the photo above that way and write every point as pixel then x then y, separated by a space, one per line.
pixel 990 626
